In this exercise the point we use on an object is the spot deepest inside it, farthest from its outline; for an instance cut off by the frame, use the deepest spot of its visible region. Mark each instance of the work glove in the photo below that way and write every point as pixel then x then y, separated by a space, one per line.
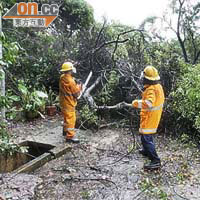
pixel 135 103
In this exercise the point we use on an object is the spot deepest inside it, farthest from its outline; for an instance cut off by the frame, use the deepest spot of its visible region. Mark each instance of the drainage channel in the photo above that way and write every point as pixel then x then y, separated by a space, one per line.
pixel 38 154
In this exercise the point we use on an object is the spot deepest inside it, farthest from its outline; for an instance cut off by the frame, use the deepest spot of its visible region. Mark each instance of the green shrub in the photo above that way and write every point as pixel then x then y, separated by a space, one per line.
pixel 88 118
pixel 106 95
pixel 32 101
pixel 186 97
pixel 7 147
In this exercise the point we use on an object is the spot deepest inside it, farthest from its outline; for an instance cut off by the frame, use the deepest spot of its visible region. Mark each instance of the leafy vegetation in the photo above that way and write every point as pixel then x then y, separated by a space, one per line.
pixel 52 98
pixel 149 186
pixel 186 98
pixel 88 118
pixel 32 101
pixel 7 147
pixel 76 14
pixel 106 94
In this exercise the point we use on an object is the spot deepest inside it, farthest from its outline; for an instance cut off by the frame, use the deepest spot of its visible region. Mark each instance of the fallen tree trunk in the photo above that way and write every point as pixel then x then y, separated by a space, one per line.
pixel 87 96
pixel 117 106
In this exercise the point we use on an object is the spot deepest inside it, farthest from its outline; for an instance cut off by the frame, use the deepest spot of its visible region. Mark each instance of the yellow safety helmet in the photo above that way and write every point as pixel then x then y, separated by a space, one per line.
pixel 67 66
pixel 151 73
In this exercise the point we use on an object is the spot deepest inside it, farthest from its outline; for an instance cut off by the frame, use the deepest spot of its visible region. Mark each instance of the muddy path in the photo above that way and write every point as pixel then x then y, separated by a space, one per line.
pixel 106 165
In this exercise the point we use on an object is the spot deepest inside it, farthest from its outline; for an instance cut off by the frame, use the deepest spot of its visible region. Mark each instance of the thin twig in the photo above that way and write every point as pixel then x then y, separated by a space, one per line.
pixel 179 194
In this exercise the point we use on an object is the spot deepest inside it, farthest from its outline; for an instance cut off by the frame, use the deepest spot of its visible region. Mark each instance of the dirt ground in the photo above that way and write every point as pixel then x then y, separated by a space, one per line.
pixel 106 165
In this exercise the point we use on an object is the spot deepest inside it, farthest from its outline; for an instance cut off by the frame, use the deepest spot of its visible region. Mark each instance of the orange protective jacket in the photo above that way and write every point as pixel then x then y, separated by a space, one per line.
pixel 151 107
pixel 68 92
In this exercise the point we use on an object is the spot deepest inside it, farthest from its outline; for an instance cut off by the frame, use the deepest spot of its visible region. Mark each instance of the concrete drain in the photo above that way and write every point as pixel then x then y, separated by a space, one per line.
pixel 36 149
pixel 38 154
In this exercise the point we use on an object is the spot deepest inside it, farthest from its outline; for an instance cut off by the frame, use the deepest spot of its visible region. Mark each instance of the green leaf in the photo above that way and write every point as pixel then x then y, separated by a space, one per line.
pixel 14 98
pixel 41 94
pixel 22 89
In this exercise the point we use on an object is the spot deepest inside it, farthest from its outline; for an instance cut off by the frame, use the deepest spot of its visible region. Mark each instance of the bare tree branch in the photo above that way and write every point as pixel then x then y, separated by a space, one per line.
pixel 117 106
pixel 181 41
pixel 107 43
pixel 100 32
pixel 87 95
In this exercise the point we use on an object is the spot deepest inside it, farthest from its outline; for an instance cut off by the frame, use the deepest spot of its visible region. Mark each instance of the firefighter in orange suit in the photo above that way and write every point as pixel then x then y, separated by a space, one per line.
pixel 68 94
pixel 151 106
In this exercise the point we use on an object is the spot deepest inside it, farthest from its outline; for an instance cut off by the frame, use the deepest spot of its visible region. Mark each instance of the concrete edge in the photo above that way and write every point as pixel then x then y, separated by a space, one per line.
pixel 59 151
pixel 36 163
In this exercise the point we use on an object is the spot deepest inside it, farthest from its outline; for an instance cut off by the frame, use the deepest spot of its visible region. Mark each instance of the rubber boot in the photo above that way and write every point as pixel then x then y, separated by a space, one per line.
pixel 153 165
pixel 73 140
pixel 143 152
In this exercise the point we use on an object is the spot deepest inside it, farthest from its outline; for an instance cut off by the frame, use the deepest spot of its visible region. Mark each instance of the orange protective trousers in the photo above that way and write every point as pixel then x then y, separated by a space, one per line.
pixel 69 123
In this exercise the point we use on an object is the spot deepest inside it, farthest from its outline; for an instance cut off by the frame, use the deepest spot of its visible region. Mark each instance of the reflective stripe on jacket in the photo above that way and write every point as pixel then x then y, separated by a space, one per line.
pixel 151 107
pixel 68 90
